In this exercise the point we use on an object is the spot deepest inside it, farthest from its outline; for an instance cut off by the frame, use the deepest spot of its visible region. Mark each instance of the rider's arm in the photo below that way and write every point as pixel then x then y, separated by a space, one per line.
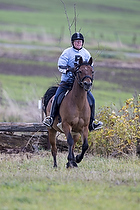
pixel 63 62
pixel 65 69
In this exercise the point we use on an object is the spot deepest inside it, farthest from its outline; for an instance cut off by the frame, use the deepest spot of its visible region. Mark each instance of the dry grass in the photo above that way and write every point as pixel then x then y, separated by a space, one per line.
pixel 28 181
pixel 12 111
pixel 98 170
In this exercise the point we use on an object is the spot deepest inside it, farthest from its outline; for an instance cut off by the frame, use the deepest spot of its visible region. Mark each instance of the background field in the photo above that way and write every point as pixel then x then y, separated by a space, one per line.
pixel 100 21
pixel 33 35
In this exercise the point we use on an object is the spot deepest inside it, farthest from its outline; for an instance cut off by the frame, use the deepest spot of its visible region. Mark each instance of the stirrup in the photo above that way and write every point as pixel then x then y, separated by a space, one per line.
pixel 48 121
pixel 97 125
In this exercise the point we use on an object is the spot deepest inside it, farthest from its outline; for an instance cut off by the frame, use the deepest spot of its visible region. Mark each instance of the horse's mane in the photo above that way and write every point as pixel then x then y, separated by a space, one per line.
pixel 48 95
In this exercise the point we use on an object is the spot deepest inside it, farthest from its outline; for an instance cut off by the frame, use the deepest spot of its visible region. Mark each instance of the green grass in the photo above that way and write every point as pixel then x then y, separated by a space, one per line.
pixel 29 182
pixel 110 97
pixel 27 62
pixel 23 89
pixel 103 21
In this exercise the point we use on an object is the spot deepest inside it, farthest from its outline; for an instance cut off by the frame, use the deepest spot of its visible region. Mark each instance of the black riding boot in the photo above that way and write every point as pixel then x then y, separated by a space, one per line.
pixel 54 109
pixel 91 102
pixel 92 107
pixel 94 124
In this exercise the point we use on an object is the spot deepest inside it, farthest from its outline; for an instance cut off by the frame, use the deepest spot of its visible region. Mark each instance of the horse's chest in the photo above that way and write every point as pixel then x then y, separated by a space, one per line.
pixel 78 124
pixel 81 119
pixel 84 112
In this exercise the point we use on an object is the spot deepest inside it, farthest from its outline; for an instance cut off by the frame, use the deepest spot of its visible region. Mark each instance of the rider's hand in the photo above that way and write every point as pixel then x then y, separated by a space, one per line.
pixel 71 69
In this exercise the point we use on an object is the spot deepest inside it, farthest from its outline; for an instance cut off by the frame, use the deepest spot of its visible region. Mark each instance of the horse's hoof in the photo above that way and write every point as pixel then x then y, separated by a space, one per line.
pixel 78 159
pixel 71 164
pixel 74 164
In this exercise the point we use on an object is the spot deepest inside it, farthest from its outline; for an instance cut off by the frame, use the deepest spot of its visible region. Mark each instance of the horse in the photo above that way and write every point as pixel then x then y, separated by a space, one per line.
pixel 74 112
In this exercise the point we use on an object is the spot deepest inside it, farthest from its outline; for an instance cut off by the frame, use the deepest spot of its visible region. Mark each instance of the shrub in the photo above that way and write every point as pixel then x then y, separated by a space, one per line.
pixel 121 132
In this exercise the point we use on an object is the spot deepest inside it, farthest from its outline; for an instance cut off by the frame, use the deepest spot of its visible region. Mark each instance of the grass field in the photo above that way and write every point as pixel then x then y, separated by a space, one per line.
pixel 29 182
pixel 105 25
pixel 100 21
pixel 24 89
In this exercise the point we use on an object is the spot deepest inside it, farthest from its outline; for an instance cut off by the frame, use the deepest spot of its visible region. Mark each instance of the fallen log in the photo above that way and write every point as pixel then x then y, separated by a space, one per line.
pixel 22 127
pixel 10 143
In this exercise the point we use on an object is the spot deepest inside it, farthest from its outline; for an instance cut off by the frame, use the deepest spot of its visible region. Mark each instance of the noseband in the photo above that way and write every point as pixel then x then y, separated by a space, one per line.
pixel 79 80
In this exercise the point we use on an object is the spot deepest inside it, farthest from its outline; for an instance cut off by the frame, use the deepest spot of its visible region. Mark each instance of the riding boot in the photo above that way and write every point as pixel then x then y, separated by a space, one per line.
pixel 92 108
pixel 54 109
pixel 91 102
pixel 48 121
pixel 94 124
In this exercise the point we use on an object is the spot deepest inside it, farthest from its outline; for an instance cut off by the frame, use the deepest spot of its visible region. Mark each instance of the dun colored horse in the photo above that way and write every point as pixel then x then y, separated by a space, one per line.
pixel 75 114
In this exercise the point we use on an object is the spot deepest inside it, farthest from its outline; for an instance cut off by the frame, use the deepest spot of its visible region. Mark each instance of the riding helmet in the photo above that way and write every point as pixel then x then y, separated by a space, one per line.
pixel 77 36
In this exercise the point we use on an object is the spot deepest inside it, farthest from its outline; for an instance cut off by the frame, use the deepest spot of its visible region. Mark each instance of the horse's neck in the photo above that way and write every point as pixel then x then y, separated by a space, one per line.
pixel 79 95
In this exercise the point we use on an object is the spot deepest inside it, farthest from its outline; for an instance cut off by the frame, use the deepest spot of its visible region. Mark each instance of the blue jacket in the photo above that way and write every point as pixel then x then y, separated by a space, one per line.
pixel 69 58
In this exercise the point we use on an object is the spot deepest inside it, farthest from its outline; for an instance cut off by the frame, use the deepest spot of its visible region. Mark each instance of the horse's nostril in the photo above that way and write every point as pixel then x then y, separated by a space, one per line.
pixel 87 83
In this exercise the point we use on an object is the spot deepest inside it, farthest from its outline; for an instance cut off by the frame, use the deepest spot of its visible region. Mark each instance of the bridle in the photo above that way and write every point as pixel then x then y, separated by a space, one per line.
pixel 78 78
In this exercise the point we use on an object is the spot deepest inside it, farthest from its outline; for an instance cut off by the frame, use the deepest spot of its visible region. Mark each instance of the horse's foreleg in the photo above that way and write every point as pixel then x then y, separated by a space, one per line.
pixel 71 158
pixel 84 148
pixel 52 134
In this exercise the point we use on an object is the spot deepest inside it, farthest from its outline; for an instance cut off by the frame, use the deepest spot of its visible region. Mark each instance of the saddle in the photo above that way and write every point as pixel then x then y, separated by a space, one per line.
pixel 50 93
pixel 60 97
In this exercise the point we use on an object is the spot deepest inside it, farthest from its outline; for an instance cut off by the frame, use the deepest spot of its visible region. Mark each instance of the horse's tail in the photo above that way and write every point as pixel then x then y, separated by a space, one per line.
pixel 48 95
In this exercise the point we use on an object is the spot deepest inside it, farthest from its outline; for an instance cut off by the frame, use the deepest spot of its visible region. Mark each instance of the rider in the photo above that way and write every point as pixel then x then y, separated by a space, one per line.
pixel 66 63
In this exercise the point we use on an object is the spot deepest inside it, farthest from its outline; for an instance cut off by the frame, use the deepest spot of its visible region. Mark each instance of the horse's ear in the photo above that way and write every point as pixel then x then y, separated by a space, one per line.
pixel 80 60
pixel 90 61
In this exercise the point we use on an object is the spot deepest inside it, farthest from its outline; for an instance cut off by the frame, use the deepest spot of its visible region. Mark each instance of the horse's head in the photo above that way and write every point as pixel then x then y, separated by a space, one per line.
pixel 84 74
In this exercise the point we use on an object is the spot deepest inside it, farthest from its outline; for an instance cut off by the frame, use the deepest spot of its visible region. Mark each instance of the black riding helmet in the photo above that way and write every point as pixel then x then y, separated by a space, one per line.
pixel 77 36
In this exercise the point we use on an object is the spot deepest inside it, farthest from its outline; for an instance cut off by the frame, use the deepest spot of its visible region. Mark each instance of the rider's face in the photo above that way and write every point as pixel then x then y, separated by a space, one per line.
pixel 77 44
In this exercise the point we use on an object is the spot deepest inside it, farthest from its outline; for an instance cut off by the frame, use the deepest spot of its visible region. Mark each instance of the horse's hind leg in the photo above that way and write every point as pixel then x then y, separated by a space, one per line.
pixel 52 139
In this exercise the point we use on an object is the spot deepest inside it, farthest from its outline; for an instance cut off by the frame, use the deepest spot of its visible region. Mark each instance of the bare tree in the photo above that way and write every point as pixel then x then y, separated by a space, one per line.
pixel 74 21
pixel 67 17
